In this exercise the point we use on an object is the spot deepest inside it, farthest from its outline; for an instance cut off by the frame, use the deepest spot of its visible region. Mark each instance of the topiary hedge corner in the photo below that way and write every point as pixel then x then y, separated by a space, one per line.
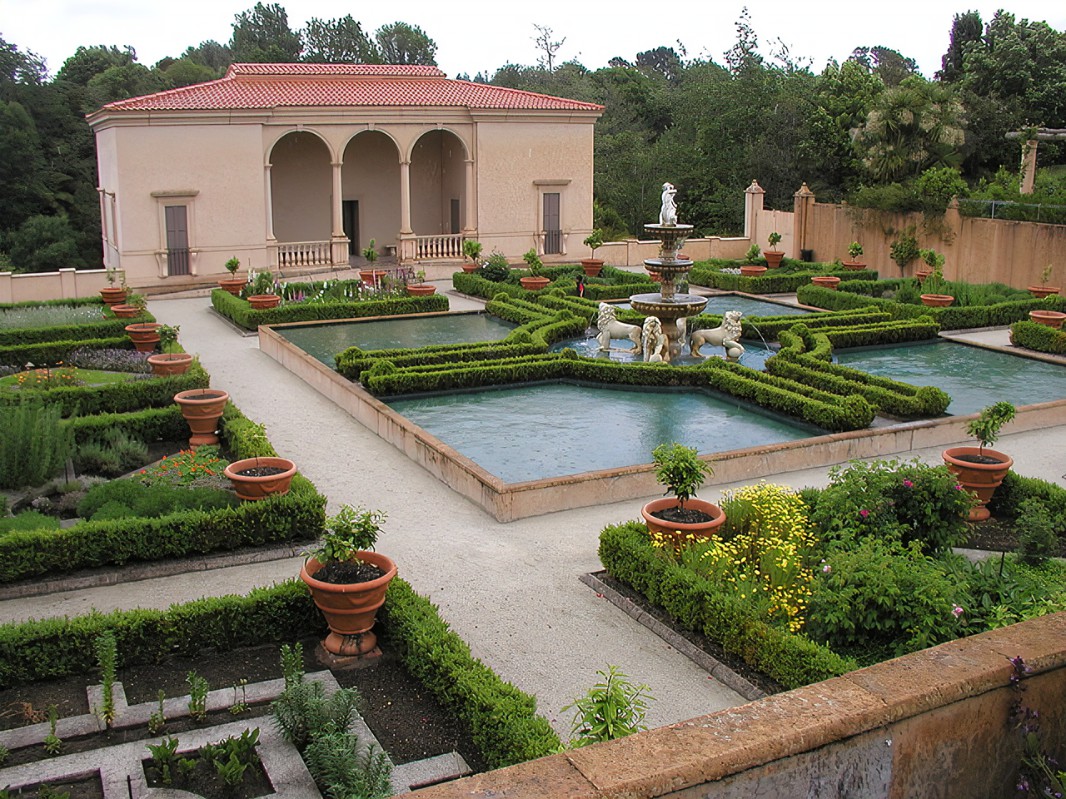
pixel 243 315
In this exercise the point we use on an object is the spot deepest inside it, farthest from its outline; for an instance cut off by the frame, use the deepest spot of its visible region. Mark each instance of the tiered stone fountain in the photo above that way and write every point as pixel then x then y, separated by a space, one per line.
pixel 668 306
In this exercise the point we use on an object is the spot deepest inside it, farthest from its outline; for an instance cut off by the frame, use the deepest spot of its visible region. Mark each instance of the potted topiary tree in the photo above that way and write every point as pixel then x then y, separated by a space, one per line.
pixel 593 266
pixel 471 250
pixel 113 295
pixel 1044 289
pixel 751 266
pixel 417 285
pixel 681 471
pixel 535 281
pixel 233 284
pixel 170 360
pixel 934 283
pixel 348 580
pixel 260 292
pixel 854 251
pixel 978 469
pixel 371 276
pixel 773 256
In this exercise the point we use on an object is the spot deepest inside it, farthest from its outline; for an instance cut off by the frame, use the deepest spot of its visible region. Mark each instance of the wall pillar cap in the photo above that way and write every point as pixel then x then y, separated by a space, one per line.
pixel 804 191
pixel 755 188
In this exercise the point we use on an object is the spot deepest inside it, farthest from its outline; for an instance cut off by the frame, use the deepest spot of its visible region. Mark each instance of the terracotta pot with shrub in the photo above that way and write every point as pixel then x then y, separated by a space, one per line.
pixel 232 284
pixel 981 470
pixel 773 256
pixel 854 252
pixel 593 265
pixel 535 281
pixel 472 250
pixel 681 471
pixel 348 580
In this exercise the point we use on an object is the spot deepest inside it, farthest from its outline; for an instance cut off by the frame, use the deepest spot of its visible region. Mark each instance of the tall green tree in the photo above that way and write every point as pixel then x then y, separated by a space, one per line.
pixel 400 43
pixel 889 65
pixel 966 30
pixel 262 35
pixel 216 57
pixel 338 41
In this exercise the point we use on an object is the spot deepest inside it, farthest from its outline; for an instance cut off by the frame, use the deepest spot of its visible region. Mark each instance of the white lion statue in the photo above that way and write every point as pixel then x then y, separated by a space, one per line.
pixel 609 326
pixel 668 212
pixel 654 342
pixel 727 335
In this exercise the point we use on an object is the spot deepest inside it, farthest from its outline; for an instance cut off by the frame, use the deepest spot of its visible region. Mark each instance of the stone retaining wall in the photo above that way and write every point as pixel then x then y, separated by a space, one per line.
pixel 930 724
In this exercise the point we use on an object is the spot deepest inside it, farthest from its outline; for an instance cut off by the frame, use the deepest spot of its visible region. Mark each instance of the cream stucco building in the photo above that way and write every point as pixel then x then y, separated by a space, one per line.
pixel 302 165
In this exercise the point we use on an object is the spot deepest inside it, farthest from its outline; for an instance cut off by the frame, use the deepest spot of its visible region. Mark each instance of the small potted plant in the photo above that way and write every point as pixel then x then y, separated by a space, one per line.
pixel 681 471
pixel 535 281
pixel 418 287
pixel 113 295
pixel 134 305
pixel 1044 289
pixel 370 275
pixel 934 283
pixel 260 291
pixel 260 476
pixel 854 252
pixel 980 470
pixel 233 284
pixel 593 265
pixel 751 266
pixel 144 335
pixel 170 360
pixel 773 256
pixel 347 580
pixel 472 250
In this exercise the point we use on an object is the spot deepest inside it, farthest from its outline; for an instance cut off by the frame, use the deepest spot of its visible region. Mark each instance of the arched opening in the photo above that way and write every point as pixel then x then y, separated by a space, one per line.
pixel 301 188
pixel 371 192
pixel 438 184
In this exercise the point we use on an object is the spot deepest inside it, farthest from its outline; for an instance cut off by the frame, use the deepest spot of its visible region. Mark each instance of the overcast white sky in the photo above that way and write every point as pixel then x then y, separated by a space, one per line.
pixel 482 36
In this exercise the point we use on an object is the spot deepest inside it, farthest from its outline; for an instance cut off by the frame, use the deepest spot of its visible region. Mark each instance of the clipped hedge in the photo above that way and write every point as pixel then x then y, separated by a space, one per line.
pixel 104 328
pixel 1038 337
pixel 501 718
pixel 700 604
pixel 151 424
pixel 887 396
pixel 612 284
pixel 297 516
pixel 242 314
pixel 50 353
pixel 891 332
pixel 353 361
pixel 771 326
pixel 1015 489
pixel 773 281
pixel 153 392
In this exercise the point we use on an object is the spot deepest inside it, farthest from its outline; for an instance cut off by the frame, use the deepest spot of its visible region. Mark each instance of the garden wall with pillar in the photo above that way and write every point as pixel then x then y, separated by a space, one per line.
pixel 930 724
pixel 64 284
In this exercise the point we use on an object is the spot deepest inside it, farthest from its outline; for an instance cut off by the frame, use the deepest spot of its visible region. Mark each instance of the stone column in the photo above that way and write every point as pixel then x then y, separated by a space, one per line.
pixel 754 198
pixel 338 221
pixel 1028 166
pixel 471 209
pixel 405 198
pixel 802 203
pixel 269 190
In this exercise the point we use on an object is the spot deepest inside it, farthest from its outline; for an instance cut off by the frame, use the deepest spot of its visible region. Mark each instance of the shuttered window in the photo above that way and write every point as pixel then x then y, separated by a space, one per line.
pixel 177 240
pixel 553 234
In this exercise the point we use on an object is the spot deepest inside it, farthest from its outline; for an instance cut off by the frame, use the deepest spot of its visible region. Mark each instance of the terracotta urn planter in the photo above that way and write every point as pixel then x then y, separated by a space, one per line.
pixel 470 268
pixel 534 283
pixel 922 273
pixel 854 266
pixel 113 295
pixel 1050 318
pixel 202 408
pixel 751 270
pixel 258 478
pixel 592 266
pixel 144 335
pixel 773 258
pixel 350 609
pixel 700 530
pixel 937 300
pixel 233 284
pixel 1043 291
pixel 170 363
pixel 421 289
pixel 980 479
pixel 260 302
pixel 372 276
pixel 122 311
pixel 826 281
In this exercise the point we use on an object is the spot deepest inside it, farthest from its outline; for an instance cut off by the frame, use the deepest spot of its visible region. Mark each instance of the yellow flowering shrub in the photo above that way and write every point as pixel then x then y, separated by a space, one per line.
pixel 763 553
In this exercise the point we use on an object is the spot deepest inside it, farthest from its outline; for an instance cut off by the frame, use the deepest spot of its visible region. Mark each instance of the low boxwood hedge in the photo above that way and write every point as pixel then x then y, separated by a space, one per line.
pixel 103 328
pixel 502 719
pixel 297 516
pixel 612 284
pixel 788 278
pixel 50 353
pixel 1038 337
pixel 700 604
pixel 153 392
pixel 243 315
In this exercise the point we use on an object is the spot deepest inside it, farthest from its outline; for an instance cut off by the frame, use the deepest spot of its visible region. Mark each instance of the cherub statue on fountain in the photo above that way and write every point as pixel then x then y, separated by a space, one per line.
pixel 654 342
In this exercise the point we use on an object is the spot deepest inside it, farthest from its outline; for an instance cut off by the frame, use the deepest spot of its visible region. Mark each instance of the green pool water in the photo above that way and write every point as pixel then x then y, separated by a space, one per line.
pixel 974 377
pixel 540 431
pixel 326 340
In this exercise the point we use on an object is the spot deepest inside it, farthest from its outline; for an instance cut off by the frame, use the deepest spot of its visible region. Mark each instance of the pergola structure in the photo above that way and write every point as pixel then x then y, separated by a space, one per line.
pixel 1033 138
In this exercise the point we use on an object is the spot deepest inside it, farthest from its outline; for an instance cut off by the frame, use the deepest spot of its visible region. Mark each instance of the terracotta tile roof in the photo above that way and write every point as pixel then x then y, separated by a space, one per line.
pixel 266 86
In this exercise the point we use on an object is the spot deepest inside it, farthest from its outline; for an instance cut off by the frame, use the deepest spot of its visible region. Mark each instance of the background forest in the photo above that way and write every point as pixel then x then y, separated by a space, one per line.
pixel 870 130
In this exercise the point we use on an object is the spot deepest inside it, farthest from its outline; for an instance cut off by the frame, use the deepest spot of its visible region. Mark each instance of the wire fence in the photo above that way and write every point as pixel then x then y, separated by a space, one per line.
pixel 1020 212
